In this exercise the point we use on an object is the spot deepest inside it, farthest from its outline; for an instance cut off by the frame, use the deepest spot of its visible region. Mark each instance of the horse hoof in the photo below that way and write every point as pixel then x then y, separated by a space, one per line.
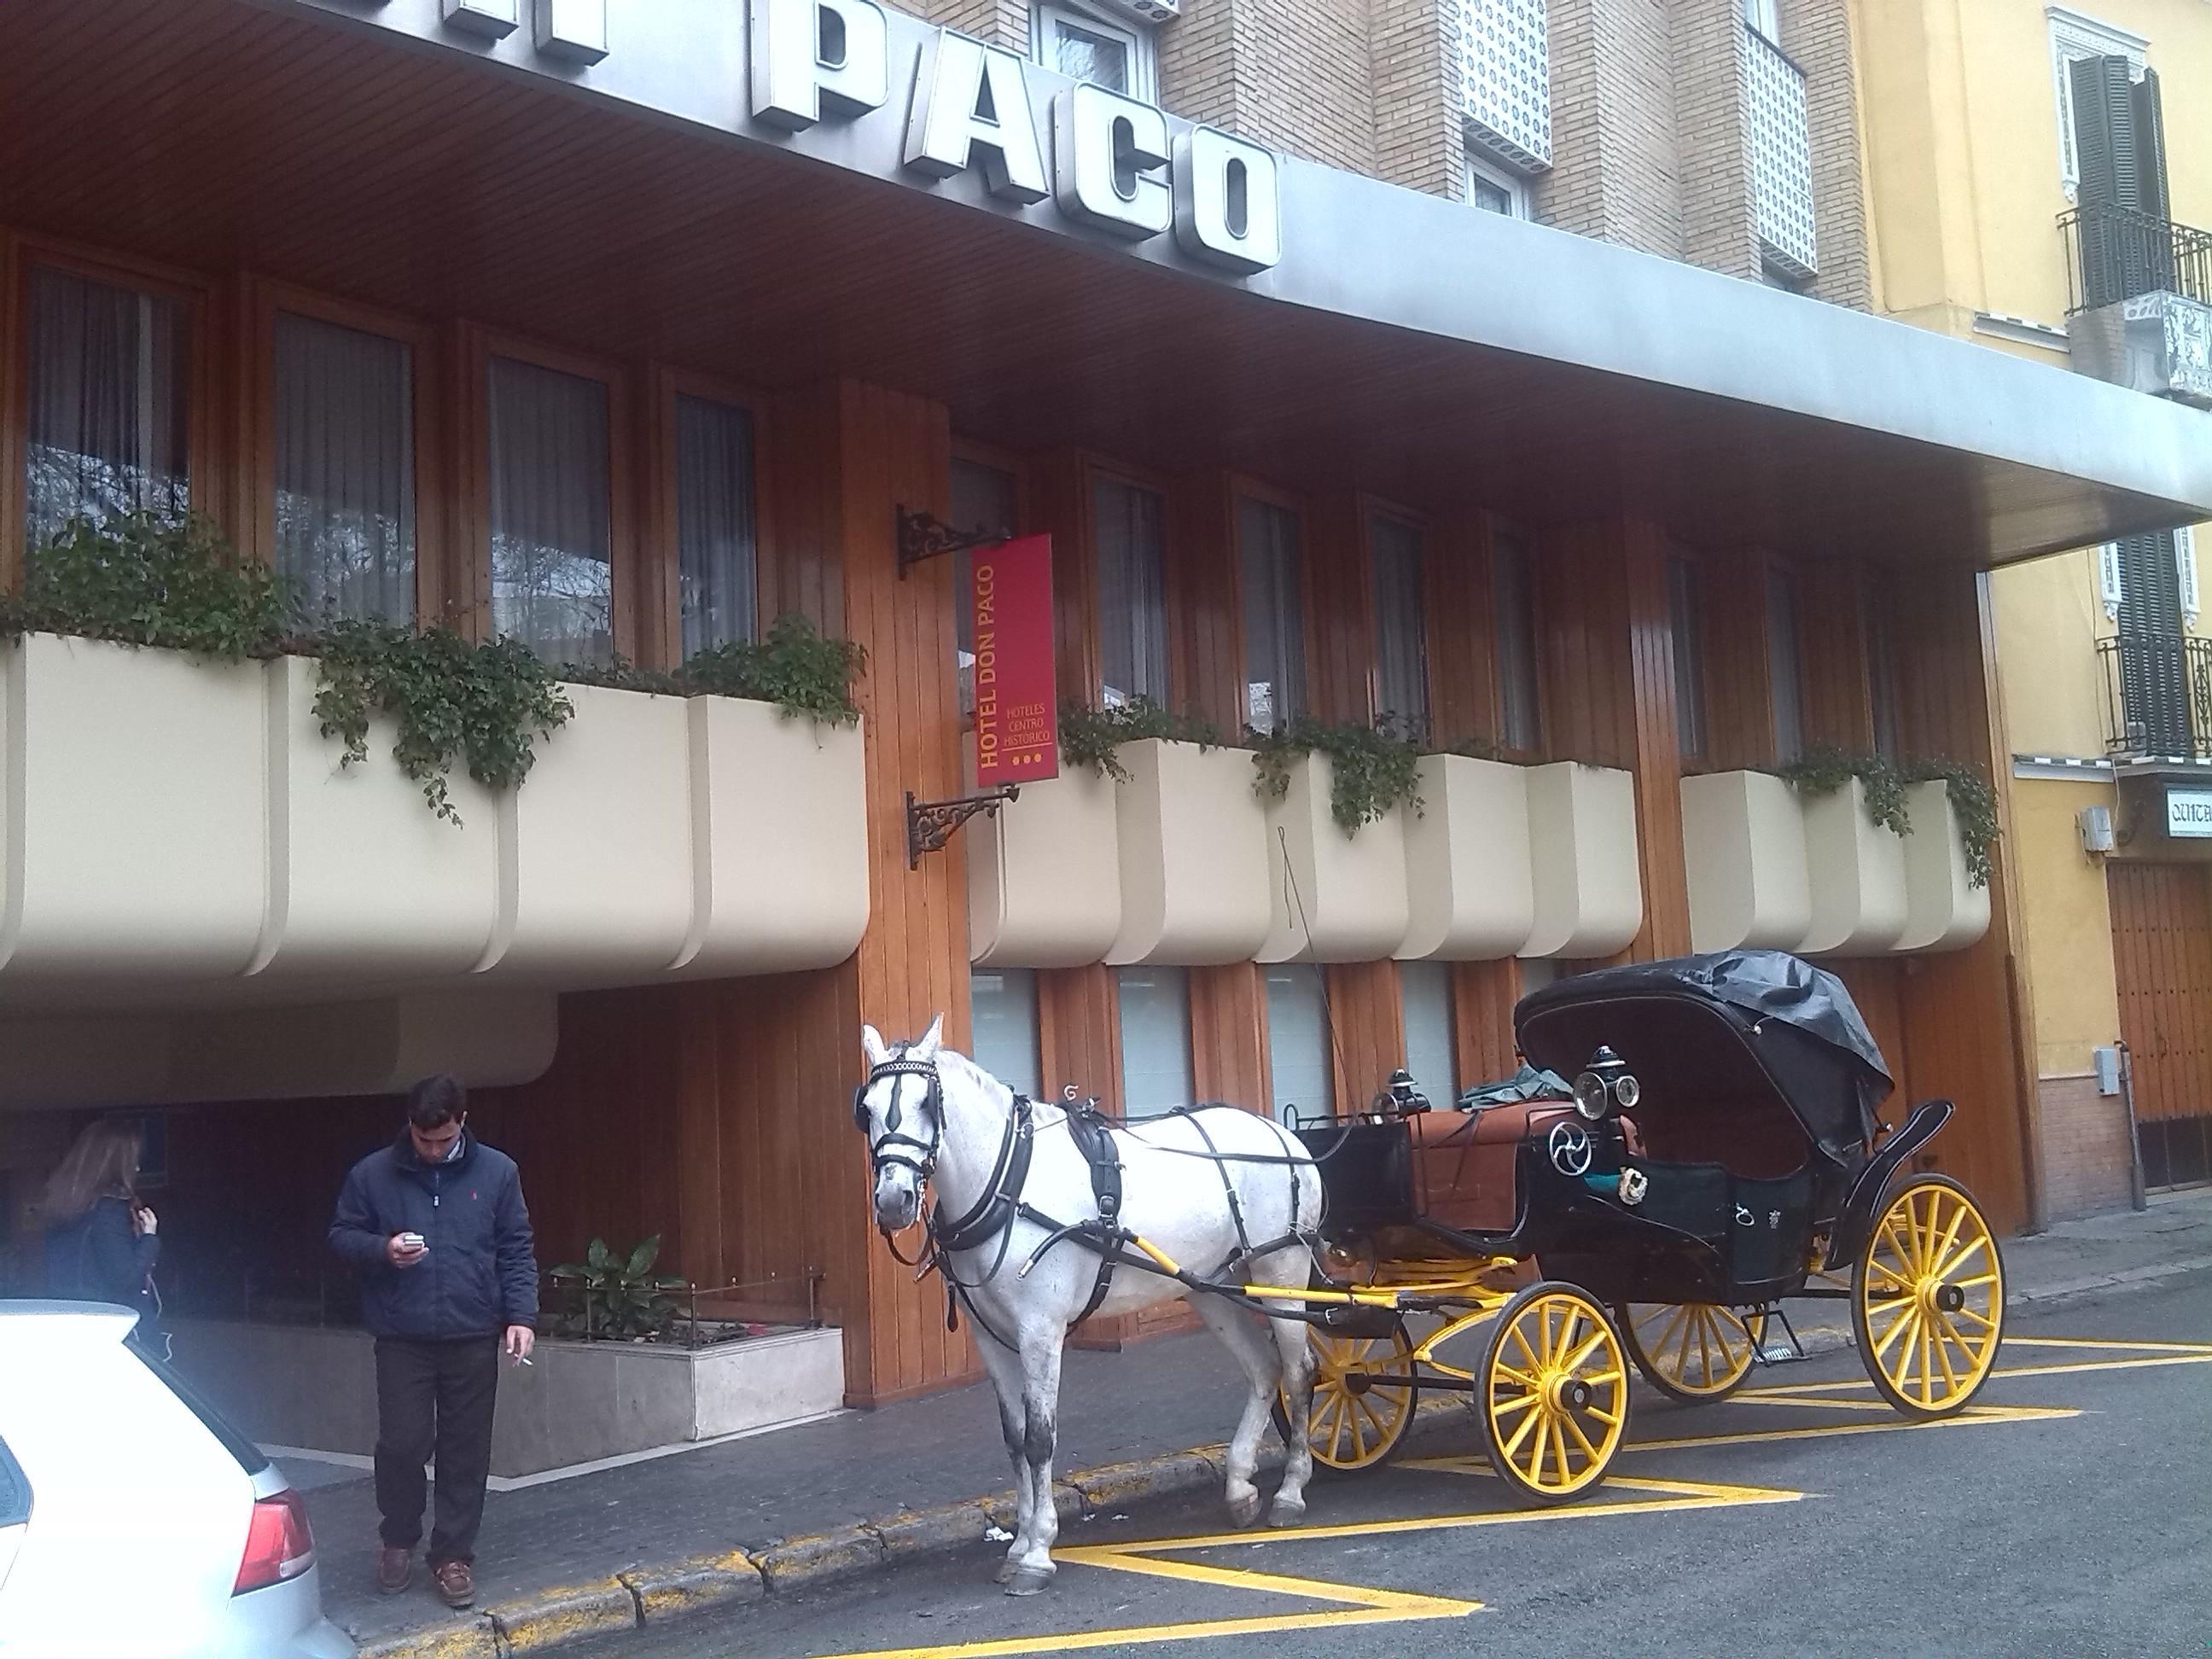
pixel 1027 1581
pixel 1286 1512
pixel 1245 1511
pixel 1005 1573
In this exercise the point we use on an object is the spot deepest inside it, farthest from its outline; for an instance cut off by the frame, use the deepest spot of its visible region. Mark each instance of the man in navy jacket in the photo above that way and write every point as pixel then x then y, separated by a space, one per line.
pixel 436 1227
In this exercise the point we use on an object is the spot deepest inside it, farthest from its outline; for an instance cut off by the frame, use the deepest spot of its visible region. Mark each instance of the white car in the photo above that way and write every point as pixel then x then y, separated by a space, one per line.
pixel 133 1520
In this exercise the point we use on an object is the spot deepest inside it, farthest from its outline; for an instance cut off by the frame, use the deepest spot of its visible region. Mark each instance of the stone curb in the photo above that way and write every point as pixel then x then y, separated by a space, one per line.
pixel 658 1593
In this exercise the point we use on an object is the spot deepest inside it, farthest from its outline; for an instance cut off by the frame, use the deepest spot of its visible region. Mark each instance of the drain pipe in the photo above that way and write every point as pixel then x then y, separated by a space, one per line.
pixel 2137 1198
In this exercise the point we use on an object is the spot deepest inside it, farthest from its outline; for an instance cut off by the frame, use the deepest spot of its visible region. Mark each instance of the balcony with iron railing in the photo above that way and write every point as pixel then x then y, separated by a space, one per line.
pixel 1781 159
pixel 2157 696
pixel 2139 300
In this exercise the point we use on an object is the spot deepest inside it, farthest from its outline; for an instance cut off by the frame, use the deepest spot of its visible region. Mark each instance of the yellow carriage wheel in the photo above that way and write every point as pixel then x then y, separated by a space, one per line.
pixel 1552 1398
pixel 1928 1299
pixel 1364 1397
pixel 1695 1351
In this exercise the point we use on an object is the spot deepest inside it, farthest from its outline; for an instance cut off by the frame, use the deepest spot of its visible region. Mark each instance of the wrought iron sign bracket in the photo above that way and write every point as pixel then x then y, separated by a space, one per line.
pixel 930 823
pixel 924 535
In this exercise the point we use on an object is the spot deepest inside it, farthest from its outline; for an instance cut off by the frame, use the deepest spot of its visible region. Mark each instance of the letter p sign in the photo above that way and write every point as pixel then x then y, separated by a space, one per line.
pixel 809 56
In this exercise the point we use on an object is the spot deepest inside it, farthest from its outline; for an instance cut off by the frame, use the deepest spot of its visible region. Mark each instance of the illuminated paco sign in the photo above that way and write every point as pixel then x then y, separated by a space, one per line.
pixel 1110 162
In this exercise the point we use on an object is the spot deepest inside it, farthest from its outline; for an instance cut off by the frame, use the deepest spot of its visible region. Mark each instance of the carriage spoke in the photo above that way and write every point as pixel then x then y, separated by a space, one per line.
pixel 1906 1321
pixel 1705 1350
pixel 1576 1428
pixel 1560 1447
pixel 1534 1419
pixel 1574 1362
pixel 1951 1264
pixel 1520 1403
pixel 1527 1379
pixel 1944 1335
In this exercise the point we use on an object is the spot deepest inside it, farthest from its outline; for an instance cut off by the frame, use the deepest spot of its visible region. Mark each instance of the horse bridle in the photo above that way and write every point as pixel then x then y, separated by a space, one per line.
pixel 900 1063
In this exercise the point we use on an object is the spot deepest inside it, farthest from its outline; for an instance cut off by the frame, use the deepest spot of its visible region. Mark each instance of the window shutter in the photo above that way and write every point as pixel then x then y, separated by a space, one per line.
pixel 2110 588
pixel 2184 568
pixel 2104 125
pixel 2149 125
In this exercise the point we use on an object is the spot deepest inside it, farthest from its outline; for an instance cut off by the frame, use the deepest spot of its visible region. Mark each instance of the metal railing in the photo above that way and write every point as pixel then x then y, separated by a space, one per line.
pixel 2157 696
pixel 1781 158
pixel 2115 254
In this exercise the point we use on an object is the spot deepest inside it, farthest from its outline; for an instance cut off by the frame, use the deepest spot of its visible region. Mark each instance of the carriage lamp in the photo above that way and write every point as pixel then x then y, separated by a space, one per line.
pixel 1606 1084
pixel 1404 1094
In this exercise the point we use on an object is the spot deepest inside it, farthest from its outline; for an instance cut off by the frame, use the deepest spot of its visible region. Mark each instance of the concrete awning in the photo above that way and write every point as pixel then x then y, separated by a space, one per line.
pixel 1403 345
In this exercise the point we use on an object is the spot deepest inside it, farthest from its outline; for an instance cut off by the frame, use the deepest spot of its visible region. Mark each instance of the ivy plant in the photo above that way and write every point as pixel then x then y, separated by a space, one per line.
pixel 1372 768
pixel 1089 737
pixel 452 701
pixel 795 666
pixel 145 579
pixel 1825 769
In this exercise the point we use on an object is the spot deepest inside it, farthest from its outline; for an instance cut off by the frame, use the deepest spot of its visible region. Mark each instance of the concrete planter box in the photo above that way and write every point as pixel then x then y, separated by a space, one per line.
pixel 1743 837
pixel 778 840
pixel 1193 840
pixel 1857 871
pixel 1335 895
pixel 1044 875
pixel 315 1390
pixel 1470 884
pixel 133 831
pixel 1944 911
pixel 1582 859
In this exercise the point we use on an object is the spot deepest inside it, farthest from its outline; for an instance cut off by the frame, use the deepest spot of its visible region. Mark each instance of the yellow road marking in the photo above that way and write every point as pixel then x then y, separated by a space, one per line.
pixel 2193 1356
pixel 2104 1342
pixel 1968 1419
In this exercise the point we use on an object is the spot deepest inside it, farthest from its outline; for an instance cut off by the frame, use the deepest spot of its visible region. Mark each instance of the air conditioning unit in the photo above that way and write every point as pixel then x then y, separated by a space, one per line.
pixel 1139 11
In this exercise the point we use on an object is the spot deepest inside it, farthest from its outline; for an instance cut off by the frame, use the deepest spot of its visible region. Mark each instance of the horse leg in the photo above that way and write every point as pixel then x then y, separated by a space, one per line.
pixel 1005 1370
pixel 1040 1364
pixel 1256 1354
pixel 1294 1352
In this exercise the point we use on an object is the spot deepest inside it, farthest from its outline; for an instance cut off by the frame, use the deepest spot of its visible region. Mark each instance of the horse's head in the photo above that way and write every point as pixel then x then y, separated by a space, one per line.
pixel 901 1109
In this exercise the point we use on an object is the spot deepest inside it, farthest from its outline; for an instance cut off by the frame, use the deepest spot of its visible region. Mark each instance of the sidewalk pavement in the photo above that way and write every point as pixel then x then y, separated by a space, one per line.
pixel 725 1523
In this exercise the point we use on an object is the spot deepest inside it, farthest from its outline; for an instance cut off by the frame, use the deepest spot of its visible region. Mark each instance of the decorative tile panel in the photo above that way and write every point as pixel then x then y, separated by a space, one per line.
pixel 1505 77
pixel 1781 159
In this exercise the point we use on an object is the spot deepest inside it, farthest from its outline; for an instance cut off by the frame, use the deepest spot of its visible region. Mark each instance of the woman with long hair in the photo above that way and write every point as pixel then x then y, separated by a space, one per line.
pixel 101 1243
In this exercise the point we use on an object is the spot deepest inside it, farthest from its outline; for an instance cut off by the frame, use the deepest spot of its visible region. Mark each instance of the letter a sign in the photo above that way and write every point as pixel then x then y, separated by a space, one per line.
pixel 1010 599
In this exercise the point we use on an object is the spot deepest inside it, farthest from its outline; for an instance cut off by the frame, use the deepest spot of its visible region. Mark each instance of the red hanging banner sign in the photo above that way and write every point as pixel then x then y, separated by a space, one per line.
pixel 1010 603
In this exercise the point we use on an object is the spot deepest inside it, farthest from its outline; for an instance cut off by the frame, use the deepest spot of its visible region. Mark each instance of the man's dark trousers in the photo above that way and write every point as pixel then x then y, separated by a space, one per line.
pixel 435 1395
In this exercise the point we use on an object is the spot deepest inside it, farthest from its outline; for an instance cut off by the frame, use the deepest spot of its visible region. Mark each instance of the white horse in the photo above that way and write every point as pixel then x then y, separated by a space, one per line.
pixel 934 1117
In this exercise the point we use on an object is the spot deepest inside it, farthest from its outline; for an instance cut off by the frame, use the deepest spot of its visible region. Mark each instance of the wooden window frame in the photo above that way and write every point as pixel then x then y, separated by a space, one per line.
pixel 476 345
pixel 1371 507
pixel 1694 763
pixel 1093 468
pixel 262 300
pixel 1494 526
pixel 208 482
pixel 1241 487
pixel 1769 564
pixel 660 573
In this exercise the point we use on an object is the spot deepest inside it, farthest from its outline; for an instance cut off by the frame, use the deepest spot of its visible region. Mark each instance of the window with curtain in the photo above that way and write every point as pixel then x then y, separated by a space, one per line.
pixel 1298 1051
pixel 1129 529
pixel 1007 1046
pixel 1155 1066
pixel 1402 634
pixel 110 402
pixel 1088 46
pixel 1785 663
pixel 1271 562
pixel 986 499
pixel 345 468
pixel 1432 1056
pixel 1881 673
pixel 717 582
pixel 1513 594
pixel 552 518
pixel 1687 617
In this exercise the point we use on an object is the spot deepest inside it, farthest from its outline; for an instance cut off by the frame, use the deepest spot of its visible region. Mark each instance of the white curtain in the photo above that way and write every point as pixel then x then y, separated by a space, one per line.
pixel 1298 1039
pixel 552 581
pixel 110 374
pixel 1003 1001
pixel 1275 614
pixel 345 468
pixel 1400 623
pixel 1131 535
pixel 1431 1059
pixel 714 518
pixel 1156 1070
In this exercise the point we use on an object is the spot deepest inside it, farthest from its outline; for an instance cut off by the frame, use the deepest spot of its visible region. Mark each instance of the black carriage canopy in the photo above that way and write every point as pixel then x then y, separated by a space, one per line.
pixel 1687 1027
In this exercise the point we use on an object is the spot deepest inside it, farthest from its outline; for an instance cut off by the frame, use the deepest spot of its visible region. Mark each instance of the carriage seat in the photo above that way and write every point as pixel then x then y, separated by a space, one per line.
pixel 1463 1162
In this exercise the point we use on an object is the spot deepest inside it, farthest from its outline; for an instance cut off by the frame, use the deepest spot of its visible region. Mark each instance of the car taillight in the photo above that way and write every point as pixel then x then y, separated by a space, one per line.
pixel 278 1545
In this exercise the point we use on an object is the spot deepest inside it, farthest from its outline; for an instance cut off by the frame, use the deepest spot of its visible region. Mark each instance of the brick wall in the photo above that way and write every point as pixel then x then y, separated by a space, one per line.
pixel 1712 109
pixel 1817 34
pixel 1296 74
pixel 1420 139
pixel 2085 1148
pixel 1616 161
pixel 1002 22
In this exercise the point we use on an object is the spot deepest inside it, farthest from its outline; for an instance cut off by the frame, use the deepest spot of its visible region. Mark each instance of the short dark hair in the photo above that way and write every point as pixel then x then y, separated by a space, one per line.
pixel 437 1101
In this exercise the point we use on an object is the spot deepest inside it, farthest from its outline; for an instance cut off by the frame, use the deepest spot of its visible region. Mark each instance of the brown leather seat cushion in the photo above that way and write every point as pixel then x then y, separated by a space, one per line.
pixel 1463 1161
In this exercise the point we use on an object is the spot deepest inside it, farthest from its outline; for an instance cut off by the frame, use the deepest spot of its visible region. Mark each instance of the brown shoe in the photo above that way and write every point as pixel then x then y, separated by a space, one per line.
pixel 457 1585
pixel 394 1567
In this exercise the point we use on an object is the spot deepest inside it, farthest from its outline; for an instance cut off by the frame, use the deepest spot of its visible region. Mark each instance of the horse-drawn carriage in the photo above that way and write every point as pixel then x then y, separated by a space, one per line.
pixel 1720 1153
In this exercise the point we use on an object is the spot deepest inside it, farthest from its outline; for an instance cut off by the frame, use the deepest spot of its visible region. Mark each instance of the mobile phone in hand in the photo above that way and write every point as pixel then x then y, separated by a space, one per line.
pixel 412 1241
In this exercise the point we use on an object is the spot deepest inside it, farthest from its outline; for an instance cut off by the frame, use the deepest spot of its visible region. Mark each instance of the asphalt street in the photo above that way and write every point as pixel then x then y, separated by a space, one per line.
pixel 2069 1513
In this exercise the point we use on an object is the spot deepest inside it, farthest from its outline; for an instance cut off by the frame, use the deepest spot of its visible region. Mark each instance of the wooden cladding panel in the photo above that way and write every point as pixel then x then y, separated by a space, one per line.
pixel 1462 631
pixel 1483 996
pixel 1206 635
pixel 1340 611
pixel 1367 1027
pixel 15 380
pixel 1079 1033
pixel 1738 669
pixel 1060 507
pixel 1838 693
pixel 801 564
pixel 1229 1036
pixel 2162 952
pixel 1607 644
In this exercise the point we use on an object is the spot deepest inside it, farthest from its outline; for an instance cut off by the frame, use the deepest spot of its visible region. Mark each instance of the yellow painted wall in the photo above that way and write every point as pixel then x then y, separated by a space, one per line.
pixel 2068 926
pixel 2047 613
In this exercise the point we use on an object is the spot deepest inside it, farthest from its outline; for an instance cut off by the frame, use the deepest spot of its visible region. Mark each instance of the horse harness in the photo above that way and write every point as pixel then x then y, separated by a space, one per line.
pixel 994 1213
